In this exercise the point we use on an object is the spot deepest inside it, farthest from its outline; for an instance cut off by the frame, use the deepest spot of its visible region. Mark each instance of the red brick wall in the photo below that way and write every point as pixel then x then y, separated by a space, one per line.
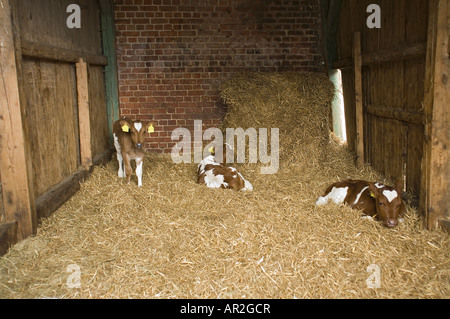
pixel 173 55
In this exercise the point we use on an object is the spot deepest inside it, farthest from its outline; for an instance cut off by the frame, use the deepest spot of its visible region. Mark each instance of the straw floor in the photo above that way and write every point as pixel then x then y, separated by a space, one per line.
pixel 174 238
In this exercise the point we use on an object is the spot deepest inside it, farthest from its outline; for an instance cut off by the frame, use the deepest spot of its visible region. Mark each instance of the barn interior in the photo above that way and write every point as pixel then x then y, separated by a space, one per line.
pixel 358 89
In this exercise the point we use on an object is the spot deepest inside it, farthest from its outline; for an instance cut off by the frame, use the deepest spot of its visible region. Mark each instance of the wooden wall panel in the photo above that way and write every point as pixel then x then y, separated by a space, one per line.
pixel 44 23
pixel 386 144
pixel 414 157
pixel 397 88
pixel 53 128
pixel 393 84
pixel 392 33
pixel 414 77
pixel 40 121
pixel 51 85
pixel 416 17
pixel 98 112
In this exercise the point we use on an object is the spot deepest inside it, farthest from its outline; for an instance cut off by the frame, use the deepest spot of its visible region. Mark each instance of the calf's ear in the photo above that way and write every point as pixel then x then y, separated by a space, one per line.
pixel 399 187
pixel 374 191
pixel 125 124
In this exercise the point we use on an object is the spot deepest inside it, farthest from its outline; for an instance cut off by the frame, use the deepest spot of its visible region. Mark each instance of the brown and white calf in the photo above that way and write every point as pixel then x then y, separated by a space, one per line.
pixel 376 200
pixel 216 175
pixel 129 139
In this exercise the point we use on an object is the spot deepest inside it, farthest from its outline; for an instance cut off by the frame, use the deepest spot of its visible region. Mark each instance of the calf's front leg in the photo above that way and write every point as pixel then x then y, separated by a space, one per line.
pixel 127 163
pixel 139 164
pixel 121 171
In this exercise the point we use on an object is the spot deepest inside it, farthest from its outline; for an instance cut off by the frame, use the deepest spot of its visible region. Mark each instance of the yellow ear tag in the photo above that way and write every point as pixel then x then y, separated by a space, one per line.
pixel 211 149
pixel 151 129
pixel 125 128
pixel 372 195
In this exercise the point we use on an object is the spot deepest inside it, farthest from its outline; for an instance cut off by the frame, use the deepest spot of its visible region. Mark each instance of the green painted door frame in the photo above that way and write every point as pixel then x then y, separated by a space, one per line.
pixel 109 50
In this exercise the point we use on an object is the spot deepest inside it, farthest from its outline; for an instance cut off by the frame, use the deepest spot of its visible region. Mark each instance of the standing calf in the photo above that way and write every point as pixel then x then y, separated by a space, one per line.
pixel 129 138
pixel 215 175
pixel 376 200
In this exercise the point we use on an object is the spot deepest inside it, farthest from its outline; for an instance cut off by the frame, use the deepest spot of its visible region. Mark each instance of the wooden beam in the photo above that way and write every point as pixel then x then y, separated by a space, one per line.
pixel 435 185
pixel 49 202
pixel 18 199
pixel 394 55
pixel 398 114
pixel 358 99
pixel 84 114
pixel 389 55
pixel 59 194
pixel 38 51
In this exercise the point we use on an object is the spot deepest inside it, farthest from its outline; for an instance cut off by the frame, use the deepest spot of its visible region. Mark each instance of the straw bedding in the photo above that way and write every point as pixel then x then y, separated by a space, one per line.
pixel 297 104
pixel 173 238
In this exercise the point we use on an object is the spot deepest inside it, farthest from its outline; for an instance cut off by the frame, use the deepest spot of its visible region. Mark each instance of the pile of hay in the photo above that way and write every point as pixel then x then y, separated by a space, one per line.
pixel 298 104
pixel 173 238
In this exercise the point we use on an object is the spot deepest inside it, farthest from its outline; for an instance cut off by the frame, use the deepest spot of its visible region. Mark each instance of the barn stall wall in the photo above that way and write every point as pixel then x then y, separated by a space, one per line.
pixel 393 89
pixel 386 76
pixel 55 112
pixel 173 56
pixel 170 53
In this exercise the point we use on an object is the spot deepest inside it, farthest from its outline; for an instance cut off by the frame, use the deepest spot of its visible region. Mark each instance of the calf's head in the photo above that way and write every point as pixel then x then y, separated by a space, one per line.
pixel 223 154
pixel 137 130
pixel 388 203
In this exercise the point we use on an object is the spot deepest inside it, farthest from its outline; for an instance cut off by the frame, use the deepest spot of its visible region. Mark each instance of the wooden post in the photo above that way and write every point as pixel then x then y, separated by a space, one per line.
pixel 435 184
pixel 83 114
pixel 18 198
pixel 358 98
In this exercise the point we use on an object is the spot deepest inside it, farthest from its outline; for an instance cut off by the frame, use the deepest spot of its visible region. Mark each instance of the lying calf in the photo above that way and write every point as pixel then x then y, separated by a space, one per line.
pixel 215 175
pixel 376 200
